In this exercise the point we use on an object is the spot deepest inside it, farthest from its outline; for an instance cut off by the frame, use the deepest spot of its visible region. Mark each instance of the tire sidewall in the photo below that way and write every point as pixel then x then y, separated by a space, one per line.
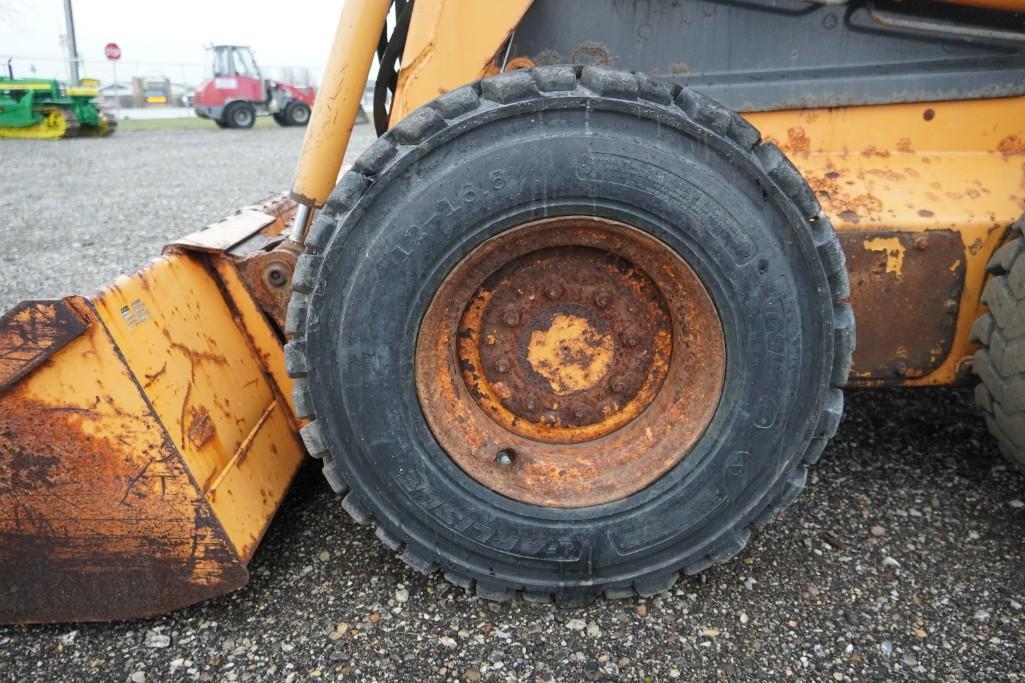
pixel 241 115
pixel 390 254
pixel 292 109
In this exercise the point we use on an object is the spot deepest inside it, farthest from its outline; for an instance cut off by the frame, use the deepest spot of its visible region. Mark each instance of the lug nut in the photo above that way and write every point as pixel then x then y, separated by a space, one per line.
pixel 618 385
pixel 502 365
pixel 505 456
pixel 579 413
pixel 602 299
pixel 553 291
pixel 631 340
pixel 511 317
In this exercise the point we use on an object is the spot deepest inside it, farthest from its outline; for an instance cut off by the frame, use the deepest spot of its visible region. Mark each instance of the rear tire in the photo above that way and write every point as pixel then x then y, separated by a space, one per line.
pixel 221 124
pixel 279 118
pixel 1000 363
pixel 240 115
pixel 471 166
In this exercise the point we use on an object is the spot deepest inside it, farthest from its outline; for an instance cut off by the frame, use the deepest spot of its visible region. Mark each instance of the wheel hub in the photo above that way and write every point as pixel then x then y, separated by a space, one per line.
pixel 570 361
pixel 564 338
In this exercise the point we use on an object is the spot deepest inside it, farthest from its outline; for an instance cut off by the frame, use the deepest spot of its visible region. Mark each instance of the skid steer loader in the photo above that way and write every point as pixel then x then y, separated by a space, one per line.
pixel 576 323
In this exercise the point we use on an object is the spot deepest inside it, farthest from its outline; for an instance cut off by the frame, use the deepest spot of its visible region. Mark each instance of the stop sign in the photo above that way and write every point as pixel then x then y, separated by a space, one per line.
pixel 112 51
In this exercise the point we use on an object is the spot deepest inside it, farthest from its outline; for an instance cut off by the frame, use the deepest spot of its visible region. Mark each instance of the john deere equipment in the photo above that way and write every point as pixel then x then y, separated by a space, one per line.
pixel 577 322
pixel 47 109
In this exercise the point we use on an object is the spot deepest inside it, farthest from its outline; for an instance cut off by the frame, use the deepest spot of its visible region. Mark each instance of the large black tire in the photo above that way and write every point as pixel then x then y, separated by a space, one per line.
pixel 515 148
pixel 297 113
pixel 279 118
pixel 221 124
pixel 240 115
pixel 1000 363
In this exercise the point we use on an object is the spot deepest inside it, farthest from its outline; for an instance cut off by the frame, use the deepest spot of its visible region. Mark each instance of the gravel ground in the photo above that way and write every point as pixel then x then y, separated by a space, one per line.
pixel 77 213
pixel 903 560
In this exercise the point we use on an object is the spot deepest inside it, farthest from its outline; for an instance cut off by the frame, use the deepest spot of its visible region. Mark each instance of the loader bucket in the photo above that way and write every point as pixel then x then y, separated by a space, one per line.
pixel 145 437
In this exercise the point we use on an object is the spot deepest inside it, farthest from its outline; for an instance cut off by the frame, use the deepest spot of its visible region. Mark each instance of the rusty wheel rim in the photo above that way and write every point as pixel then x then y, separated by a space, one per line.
pixel 570 361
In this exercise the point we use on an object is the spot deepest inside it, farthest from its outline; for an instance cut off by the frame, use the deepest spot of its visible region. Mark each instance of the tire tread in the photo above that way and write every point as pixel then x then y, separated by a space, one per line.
pixel 1000 363
pixel 510 87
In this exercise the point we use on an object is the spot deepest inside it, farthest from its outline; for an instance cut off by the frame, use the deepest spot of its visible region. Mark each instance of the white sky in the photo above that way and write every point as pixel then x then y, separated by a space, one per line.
pixel 156 36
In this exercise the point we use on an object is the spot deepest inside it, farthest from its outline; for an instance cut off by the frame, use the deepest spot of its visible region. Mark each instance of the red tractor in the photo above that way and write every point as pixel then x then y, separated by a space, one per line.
pixel 237 93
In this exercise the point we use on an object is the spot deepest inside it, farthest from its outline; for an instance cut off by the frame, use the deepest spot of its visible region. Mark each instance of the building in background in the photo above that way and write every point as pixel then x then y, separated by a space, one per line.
pixel 117 95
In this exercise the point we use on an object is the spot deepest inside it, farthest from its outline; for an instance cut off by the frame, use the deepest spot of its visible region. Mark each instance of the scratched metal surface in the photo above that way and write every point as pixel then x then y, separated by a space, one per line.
pixel 99 517
pixel 905 289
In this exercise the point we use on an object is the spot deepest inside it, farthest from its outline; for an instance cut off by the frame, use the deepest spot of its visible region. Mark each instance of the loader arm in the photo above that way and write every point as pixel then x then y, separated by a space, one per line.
pixel 449 44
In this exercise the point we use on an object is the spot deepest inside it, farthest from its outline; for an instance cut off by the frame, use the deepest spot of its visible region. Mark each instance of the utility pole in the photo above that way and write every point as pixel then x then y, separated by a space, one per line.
pixel 69 20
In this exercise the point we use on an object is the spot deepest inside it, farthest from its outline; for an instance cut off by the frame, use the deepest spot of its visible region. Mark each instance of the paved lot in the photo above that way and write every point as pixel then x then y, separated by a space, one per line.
pixel 903 560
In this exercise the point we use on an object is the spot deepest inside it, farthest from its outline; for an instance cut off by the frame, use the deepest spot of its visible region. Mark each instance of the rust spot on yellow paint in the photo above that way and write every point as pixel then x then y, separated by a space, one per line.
pixel 1012 144
pixel 810 115
pixel 873 151
pixel 833 189
pixel 570 354
pixel 894 251
pixel 201 427
pixel 800 143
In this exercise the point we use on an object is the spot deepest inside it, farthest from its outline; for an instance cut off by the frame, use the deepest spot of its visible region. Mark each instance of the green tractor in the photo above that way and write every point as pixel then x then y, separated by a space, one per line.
pixel 47 109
